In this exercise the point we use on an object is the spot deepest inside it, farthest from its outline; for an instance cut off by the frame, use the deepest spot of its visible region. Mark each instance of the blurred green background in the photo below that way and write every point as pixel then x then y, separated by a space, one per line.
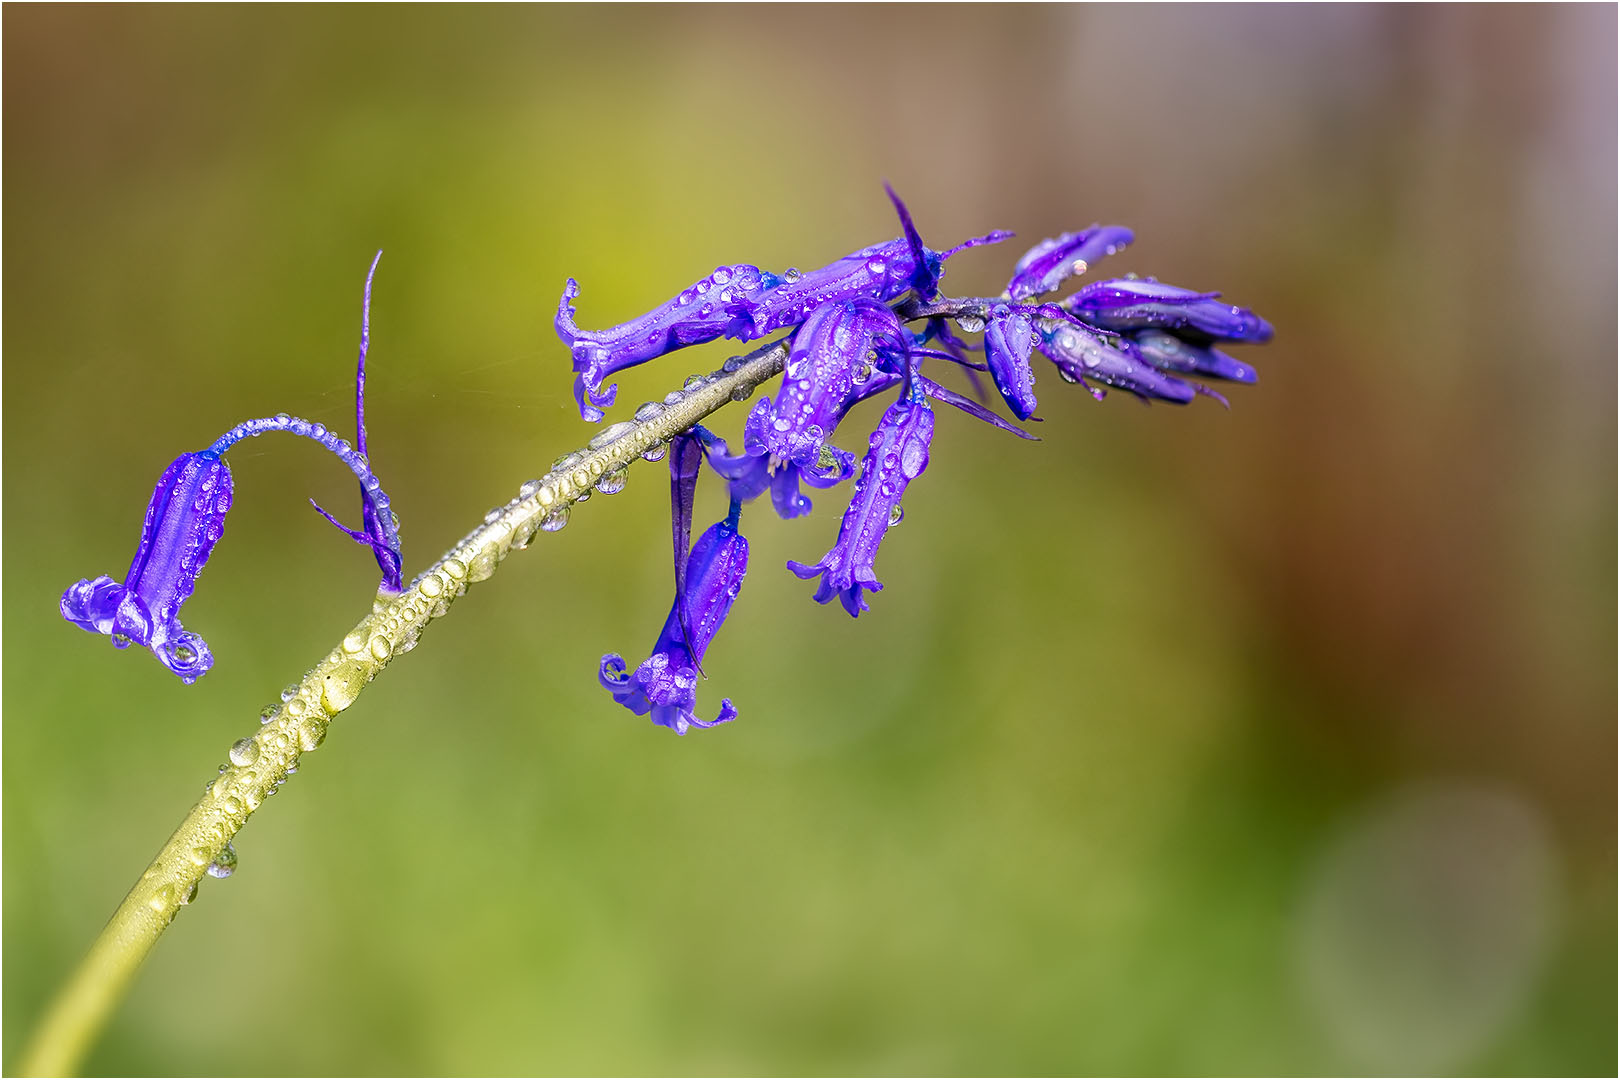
pixel 1275 740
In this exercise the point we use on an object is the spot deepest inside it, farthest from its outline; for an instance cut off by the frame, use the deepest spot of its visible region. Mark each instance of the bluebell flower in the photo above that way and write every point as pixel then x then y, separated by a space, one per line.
pixel 1169 353
pixel 746 303
pixel 185 519
pixel 833 353
pixel 1051 262
pixel 665 684
pixel 1132 304
pixel 1009 338
pixel 896 455
pixel 700 313
pixel 1084 354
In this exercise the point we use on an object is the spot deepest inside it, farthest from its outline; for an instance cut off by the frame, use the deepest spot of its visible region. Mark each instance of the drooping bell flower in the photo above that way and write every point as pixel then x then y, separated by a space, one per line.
pixel 185 519
pixel 665 684
pixel 1052 262
pixel 896 455
pixel 1130 304
pixel 698 314
pixel 1009 337
pixel 834 352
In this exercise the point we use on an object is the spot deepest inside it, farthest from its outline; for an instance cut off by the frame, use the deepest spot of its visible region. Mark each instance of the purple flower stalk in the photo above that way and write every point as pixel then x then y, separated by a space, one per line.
pixel 185 519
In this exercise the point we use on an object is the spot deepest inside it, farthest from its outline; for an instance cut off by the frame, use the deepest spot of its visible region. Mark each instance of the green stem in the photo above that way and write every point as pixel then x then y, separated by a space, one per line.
pixel 260 763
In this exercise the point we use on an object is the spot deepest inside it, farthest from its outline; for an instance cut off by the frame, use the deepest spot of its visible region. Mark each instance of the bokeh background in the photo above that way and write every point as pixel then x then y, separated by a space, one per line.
pixel 1275 740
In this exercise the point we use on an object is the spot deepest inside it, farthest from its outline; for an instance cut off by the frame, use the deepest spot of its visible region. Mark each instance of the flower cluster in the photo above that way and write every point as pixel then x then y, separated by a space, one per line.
pixel 849 340
pixel 186 518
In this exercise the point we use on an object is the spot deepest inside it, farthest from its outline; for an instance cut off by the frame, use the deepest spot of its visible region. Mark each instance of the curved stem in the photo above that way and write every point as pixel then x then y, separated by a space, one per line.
pixel 261 762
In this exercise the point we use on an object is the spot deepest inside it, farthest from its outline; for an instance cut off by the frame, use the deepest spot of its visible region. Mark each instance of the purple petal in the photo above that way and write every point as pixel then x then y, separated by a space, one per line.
pixel 1129 304
pixel 1009 337
pixel 1051 262
pixel 1080 354
pixel 1169 353
pixel 698 314
pixel 896 455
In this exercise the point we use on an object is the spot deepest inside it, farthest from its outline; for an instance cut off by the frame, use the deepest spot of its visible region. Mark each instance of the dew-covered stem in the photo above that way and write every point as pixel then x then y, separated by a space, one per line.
pixel 262 761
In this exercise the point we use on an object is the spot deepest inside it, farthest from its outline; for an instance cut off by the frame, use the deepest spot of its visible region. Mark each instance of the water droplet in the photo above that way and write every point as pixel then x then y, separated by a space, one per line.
pixel 611 483
pixel 692 382
pixel 732 364
pixel 792 274
pixel 970 324
pixel 672 397
pixel 494 515
pixel 721 275
pixel 655 452
pixel 455 568
pixel 380 648
pixel 223 864
pixel 244 752
pixel 897 514
pixel 289 692
pixel 297 707
pixel 555 520
pixel 913 459
pixel 231 805
pixel 742 393
pixel 649 411
pixel 162 899
pixel 482 567
pixel 311 733
pixel 268 713
pixel 524 531
pixel 342 686
pixel 431 585
pixel 781 423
